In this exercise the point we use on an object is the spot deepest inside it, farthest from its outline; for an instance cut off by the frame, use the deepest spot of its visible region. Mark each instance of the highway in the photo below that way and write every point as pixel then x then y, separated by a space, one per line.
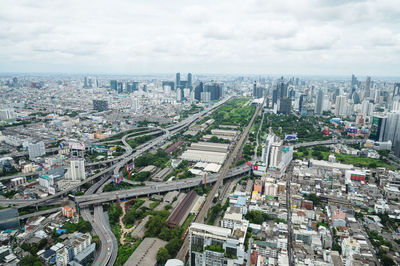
pixel 203 211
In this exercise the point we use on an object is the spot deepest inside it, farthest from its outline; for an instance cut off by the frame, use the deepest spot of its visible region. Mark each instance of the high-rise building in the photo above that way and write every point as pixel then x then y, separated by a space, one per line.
pixel 113 85
pixel 392 130
pixel 302 103
pixel 319 105
pixel 85 83
pixel 367 87
pixel 282 88
pixel 178 80
pixel 76 171
pixel 36 150
pixel 285 105
pixel 396 89
pixel 215 91
pixel 378 128
pixel 275 97
pixel 354 81
pixel 100 105
pixel 6 114
pixel 341 108
pixel 258 92
pixel 276 154
pixel 197 91
pixel 120 87
pixel 189 81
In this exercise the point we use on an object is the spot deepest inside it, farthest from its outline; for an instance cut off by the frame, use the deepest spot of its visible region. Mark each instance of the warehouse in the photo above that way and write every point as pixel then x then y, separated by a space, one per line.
pixel 204 156
pixel 209 136
pixel 208 146
pixel 180 213
pixel 197 206
pixel 224 132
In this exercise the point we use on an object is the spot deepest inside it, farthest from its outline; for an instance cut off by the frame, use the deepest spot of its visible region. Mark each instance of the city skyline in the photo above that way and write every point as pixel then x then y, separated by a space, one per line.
pixel 297 38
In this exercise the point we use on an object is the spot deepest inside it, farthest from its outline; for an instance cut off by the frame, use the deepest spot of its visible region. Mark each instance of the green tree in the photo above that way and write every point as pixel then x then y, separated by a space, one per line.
pixel 162 256
pixel 174 245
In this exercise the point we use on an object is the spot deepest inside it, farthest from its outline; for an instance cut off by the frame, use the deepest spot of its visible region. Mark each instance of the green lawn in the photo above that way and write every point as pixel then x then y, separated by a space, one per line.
pixel 363 161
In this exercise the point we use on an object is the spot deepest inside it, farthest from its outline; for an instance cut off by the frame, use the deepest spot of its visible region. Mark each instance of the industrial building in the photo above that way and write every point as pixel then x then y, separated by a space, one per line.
pixel 224 132
pixel 204 156
pixel 180 213
pixel 208 146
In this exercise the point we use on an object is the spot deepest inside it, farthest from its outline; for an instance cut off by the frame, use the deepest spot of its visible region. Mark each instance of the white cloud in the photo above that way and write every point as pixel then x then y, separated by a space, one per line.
pixel 255 36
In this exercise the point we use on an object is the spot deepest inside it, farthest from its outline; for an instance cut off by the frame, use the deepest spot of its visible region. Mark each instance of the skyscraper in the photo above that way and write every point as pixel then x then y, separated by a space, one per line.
pixel 178 80
pixel 302 101
pixel 378 128
pixel 85 83
pixel 367 87
pixel 285 105
pixel 341 108
pixel 113 85
pixel 76 171
pixel 396 89
pixel 320 102
pixel 189 81
pixel 197 91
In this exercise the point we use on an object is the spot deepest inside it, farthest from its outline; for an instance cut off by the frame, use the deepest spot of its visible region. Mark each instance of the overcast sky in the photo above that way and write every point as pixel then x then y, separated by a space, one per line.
pixel 310 37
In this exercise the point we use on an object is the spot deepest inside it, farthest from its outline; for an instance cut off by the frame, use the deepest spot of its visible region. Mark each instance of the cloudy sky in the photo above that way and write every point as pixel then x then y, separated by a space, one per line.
pixel 313 37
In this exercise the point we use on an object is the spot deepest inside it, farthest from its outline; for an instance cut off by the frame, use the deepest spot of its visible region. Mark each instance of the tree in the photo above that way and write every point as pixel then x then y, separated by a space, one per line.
pixel 372 165
pixel 162 256
pixel 174 245
pixel 29 261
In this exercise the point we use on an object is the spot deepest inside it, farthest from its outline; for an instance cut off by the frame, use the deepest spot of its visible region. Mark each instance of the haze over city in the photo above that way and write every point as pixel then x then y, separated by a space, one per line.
pixel 309 37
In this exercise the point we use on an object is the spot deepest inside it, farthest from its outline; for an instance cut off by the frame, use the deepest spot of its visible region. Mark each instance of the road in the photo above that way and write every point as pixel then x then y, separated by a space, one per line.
pixel 290 243
pixel 203 211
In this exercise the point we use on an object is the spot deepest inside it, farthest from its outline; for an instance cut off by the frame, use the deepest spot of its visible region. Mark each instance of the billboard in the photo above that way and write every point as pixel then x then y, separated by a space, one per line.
pixel 117 179
pixel 291 137
pixel 52 190
pixel 76 146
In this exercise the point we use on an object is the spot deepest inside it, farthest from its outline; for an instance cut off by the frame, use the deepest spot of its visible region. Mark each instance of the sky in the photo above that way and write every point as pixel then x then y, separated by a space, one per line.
pixel 304 37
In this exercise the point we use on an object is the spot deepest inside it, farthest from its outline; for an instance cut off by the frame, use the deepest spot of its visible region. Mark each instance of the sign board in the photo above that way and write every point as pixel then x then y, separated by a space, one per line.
pixel 255 167
pixel 248 163
pixel 52 190
pixel 76 146
pixel 291 137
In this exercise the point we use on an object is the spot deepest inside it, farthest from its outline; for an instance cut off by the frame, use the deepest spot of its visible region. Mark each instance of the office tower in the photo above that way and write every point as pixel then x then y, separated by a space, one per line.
pixel 367 108
pixel 213 245
pixel 197 91
pixel 341 108
pixel 282 88
pixel 356 98
pixel 171 84
pixel 178 80
pixel 276 154
pixel 189 81
pixel 120 87
pixel 76 172
pixel 354 81
pixel 367 87
pixel 285 105
pixel 215 91
pixel 392 127
pixel 302 103
pixel 319 105
pixel 257 91
pixel 113 85
pixel 100 105
pixel 395 105
pixel 396 89
pixel 275 96
pixel 205 96
pixel 378 128
pixel 292 94
pixel 36 150
pixel 266 149
pixel 85 83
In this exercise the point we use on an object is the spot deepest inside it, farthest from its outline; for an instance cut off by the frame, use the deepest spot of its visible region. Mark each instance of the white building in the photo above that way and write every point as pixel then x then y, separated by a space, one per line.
pixel 209 244
pixel 6 114
pixel 76 171
pixel 36 150
pixel 341 107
